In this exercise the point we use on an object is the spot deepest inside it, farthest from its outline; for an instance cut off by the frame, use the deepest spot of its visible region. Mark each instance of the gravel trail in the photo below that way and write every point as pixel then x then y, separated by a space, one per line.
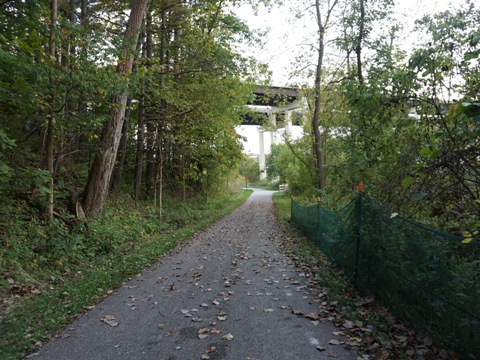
pixel 227 293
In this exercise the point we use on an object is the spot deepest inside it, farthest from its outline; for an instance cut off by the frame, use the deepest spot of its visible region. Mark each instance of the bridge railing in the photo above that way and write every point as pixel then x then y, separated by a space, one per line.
pixel 421 274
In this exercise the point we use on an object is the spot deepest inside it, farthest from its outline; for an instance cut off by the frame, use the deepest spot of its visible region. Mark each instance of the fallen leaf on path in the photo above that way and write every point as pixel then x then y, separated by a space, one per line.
pixel 228 337
pixel 313 316
pixel 110 320
pixel 210 350
pixel 321 348
pixel 336 342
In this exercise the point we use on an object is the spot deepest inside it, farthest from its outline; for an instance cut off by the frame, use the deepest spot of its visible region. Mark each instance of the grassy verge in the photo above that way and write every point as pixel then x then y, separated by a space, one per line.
pixel 368 327
pixel 79 270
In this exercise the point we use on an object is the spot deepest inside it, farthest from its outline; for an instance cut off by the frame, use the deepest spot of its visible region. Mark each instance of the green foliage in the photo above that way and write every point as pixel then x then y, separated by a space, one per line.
pixel 249 170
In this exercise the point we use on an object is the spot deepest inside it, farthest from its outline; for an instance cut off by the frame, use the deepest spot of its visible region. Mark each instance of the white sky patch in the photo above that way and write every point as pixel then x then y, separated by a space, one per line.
pixel 284 38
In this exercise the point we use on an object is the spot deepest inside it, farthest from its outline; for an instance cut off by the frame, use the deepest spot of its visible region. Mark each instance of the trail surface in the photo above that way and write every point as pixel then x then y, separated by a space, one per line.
pixel 227 293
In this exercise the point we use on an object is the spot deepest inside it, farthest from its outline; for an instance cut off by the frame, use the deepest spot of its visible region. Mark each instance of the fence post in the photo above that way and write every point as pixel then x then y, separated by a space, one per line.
pixel 359 235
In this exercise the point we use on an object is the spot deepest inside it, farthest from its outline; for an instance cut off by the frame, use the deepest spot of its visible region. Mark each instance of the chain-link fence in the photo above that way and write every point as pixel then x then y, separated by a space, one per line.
pixel 425 277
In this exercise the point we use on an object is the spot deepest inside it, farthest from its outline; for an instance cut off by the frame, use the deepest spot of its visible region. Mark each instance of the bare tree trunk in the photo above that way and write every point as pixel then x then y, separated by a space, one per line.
pixel 140 146
pixel 150 153
pixel 50 125
pixel 99 177
pixel 358 48
pixel 160 177
pixel 117 176
pixel 73 49
pixel 317 136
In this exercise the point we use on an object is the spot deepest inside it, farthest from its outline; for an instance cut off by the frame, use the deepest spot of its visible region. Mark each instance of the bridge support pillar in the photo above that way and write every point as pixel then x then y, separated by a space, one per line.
pixel 288 125
pixel 272 119
pixel 261 155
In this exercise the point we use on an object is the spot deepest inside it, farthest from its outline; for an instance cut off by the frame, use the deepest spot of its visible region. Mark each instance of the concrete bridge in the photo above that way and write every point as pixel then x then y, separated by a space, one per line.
pixel 272 109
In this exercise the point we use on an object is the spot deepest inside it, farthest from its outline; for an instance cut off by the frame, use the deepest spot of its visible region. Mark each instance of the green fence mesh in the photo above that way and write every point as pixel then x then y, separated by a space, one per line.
pixel 419 273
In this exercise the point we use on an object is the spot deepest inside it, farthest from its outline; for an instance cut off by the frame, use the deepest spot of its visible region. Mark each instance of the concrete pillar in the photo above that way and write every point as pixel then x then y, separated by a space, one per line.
pixel 272 119
pixel 261 155
pixel 288 123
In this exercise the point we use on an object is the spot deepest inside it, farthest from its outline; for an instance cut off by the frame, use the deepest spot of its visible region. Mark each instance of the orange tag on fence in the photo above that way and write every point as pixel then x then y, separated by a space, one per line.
pixel 360 187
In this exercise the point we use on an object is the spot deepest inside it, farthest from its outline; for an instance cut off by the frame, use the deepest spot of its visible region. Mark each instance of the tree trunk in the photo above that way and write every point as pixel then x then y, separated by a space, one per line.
pixel 137 186
pixel 150 158
pixel 117 176
pixel 358 48
pixel 50 125
pixel 317 136
pixel 99 177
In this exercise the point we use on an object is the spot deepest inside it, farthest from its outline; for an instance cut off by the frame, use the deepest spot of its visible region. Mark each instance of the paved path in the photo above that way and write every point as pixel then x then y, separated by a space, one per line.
pixel 228 293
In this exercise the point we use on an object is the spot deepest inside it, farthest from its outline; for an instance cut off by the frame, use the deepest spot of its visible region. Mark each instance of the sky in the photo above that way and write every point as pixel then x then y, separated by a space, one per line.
pixel 282 45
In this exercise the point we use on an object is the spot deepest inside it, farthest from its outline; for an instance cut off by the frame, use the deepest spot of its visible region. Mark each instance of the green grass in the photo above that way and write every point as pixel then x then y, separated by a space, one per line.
pixel 74 270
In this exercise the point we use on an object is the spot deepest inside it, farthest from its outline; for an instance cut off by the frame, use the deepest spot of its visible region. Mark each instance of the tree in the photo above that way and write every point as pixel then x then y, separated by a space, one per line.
pixel 322 23
pixel 99 177
pixel 50 116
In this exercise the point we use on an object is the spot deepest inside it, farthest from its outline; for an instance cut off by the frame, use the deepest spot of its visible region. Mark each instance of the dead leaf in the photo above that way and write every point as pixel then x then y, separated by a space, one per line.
pixel 348 324
pixel 228 337
pixel 222 317
pixel 313 316
pixel 336 342
pixel 321 348
pixel 210 350
pixel 215 331
pixel 110 320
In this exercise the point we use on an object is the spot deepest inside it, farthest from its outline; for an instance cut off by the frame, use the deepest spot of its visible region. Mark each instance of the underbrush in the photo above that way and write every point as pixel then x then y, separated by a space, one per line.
pixel 49 275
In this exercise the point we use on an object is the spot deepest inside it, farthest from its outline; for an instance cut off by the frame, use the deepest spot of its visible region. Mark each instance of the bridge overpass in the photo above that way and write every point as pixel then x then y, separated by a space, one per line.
pixel 271 109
